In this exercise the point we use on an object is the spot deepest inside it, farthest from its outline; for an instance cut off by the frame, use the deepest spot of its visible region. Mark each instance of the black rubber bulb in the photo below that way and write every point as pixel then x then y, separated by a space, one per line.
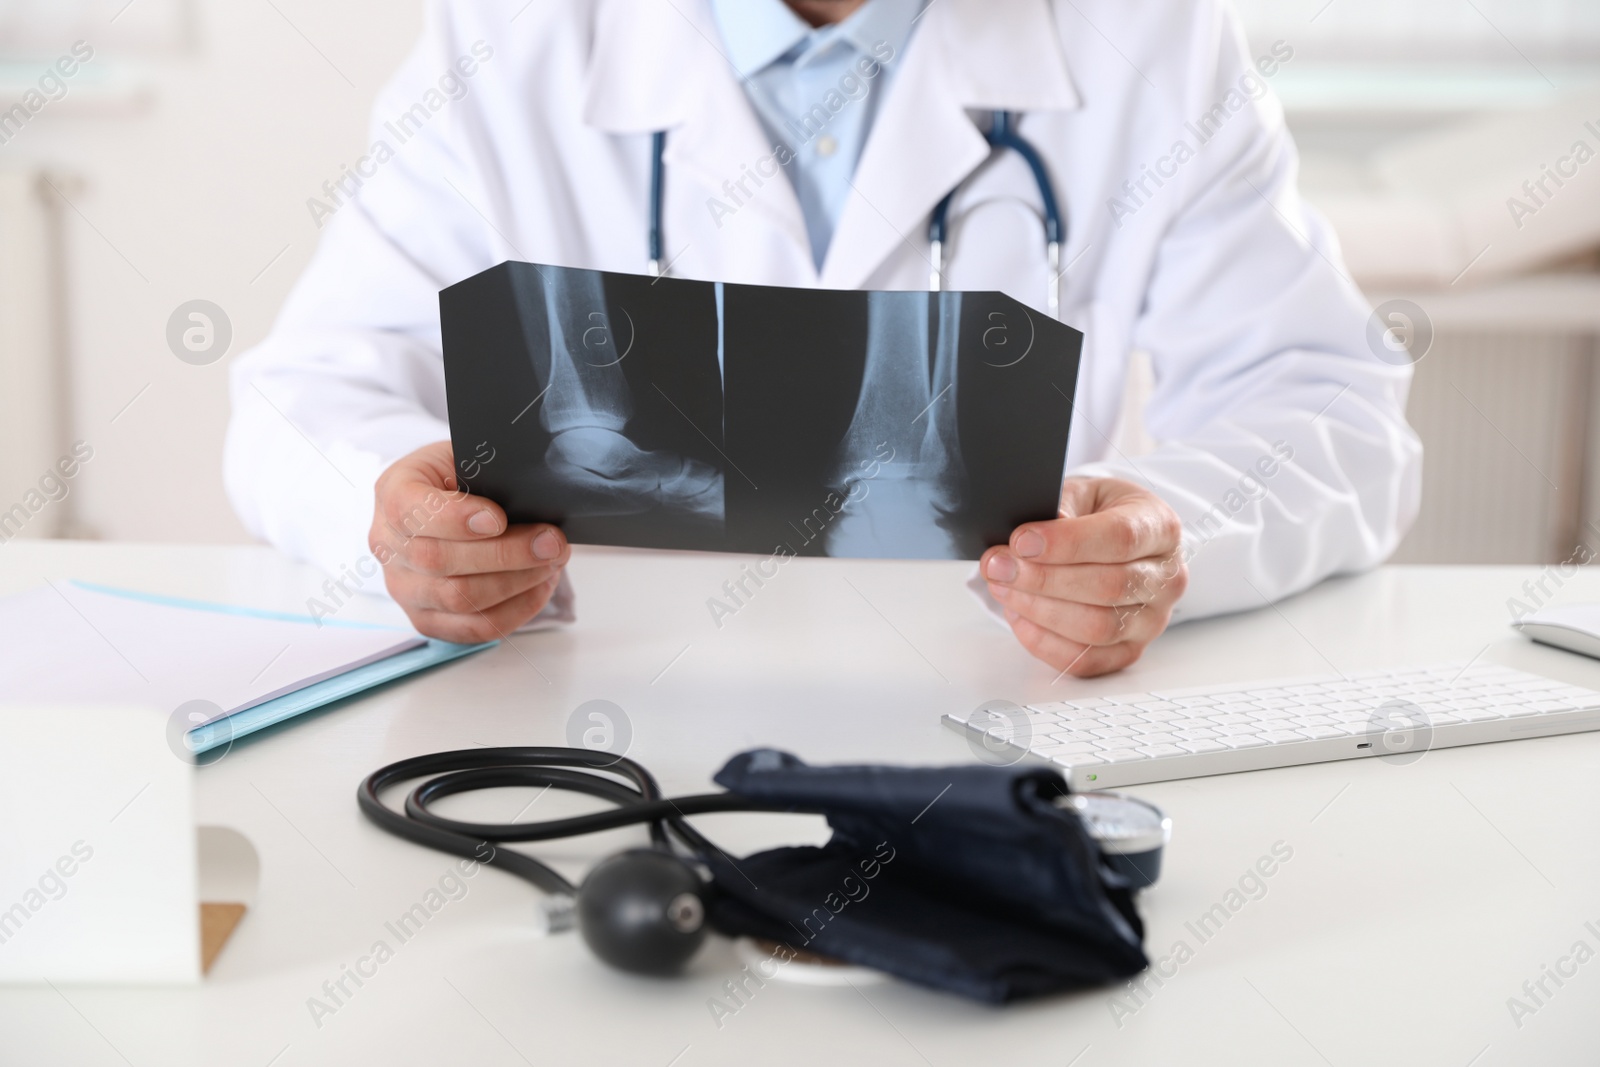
pixel 643 911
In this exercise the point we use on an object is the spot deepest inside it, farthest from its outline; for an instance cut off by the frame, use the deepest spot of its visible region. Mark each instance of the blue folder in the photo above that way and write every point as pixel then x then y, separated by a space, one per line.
pixel 226 730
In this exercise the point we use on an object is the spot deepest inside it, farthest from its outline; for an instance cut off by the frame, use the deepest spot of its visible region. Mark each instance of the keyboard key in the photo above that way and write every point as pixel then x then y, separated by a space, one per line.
pixel 1080 720
pixel 1281 737
pixel 1161 751
pixel 1070 746
pixel 1122 755
pixel 1198 746
pixel 1198 735
pixel 995 739
pixel 1158 727
pixel 1077 759
pixel 1301 714
pixel 1155 739
pixel 1318 733
pixel 1242 741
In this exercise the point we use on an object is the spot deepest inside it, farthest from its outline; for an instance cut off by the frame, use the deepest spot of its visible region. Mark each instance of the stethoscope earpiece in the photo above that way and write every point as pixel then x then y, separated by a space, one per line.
pixel 643 911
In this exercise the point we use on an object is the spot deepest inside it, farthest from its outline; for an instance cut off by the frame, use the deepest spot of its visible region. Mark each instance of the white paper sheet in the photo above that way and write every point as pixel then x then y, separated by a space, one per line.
pixel 71 642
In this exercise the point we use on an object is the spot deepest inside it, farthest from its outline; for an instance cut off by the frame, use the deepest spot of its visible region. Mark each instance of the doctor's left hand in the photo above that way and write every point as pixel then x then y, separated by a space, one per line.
pixel 1088 591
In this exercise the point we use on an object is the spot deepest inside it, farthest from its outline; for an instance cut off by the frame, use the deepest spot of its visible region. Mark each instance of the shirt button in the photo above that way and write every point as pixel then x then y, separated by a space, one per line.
pixel 826 146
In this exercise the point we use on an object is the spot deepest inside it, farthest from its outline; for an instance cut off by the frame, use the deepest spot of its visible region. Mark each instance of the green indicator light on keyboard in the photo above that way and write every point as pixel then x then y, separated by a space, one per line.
pixel 1093 777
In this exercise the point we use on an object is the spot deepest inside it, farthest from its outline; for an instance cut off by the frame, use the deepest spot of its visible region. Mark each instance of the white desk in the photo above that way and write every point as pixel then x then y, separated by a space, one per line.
pixel 1418 899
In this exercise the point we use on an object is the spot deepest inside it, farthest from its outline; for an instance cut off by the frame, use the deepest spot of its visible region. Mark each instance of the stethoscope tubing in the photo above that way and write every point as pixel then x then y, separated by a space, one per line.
pixel 1002 134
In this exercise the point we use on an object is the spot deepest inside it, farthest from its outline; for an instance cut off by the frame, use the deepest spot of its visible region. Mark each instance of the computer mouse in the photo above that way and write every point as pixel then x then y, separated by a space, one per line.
pixel 1574 627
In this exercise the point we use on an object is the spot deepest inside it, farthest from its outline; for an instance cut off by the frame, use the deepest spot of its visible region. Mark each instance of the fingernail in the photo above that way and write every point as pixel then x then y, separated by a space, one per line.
pixel 547 545
pixel 1029 544
pixel 1002 568
pixel 484 522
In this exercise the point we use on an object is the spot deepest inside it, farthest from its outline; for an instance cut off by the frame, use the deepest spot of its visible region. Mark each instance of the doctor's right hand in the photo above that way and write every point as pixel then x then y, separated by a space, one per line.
pixel 451 560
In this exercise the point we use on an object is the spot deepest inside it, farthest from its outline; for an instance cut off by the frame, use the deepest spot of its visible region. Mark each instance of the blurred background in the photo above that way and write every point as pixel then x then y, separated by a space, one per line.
pixel 1453 144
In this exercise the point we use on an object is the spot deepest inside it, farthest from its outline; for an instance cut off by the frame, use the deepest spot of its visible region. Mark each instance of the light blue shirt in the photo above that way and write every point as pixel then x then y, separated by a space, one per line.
pixel 816 91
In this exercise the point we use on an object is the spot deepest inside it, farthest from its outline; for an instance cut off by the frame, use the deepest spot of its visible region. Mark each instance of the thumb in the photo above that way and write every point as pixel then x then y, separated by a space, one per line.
pixel 417 497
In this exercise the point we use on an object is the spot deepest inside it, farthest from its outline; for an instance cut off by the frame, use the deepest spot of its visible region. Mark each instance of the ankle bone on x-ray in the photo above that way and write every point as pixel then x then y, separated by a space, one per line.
pixel 588 402
pixel 900 460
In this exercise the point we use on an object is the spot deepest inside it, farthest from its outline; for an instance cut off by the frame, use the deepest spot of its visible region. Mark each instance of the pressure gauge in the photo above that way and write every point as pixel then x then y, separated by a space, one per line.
pixel 1130 832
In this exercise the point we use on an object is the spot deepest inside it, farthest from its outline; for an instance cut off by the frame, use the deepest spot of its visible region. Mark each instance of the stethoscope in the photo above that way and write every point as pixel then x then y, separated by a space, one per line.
pixel 1002 134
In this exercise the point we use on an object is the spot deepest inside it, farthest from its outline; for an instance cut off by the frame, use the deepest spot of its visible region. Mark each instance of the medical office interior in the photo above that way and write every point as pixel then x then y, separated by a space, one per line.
pixel 185 160
pixel 165 185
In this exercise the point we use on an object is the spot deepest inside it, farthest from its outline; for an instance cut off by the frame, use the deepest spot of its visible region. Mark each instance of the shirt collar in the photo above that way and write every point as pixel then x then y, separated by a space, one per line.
pixel 757 33
pixel 882 22
pixel 980 55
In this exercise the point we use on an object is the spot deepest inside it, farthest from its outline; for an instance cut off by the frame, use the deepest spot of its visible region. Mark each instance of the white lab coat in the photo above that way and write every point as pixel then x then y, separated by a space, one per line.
pixel 1233 286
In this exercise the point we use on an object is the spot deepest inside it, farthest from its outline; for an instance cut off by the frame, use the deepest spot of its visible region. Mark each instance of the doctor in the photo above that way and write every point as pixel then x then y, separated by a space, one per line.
pixel 809 143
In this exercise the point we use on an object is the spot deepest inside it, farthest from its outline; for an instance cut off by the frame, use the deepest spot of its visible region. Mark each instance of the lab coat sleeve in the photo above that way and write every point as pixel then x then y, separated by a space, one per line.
pixel 351 377
pixel 1282 439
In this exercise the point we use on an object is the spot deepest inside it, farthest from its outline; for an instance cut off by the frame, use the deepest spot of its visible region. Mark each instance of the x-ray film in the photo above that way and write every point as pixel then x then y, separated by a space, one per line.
pixel 668 413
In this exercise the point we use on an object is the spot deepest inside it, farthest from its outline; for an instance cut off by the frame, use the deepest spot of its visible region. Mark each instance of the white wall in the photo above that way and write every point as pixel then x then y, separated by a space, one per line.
pixel 191 196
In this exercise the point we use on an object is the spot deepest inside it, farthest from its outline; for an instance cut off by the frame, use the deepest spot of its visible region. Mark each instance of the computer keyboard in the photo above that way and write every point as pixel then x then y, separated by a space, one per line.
pixel 1399 714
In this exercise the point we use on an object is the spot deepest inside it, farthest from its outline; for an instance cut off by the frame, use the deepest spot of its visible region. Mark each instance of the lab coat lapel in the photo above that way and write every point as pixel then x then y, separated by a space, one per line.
pixel 966 55
pixel 659 64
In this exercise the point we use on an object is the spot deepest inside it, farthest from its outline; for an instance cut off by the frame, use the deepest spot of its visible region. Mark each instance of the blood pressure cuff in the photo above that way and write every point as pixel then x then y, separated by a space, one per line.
pixel 967 879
